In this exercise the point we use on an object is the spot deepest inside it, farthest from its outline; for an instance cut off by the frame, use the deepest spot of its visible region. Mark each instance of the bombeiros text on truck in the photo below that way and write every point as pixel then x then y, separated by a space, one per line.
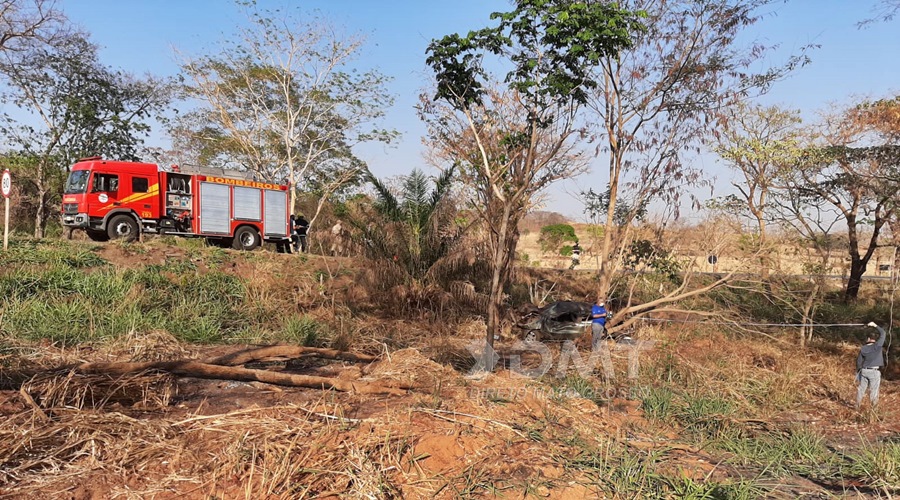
pixel 118 200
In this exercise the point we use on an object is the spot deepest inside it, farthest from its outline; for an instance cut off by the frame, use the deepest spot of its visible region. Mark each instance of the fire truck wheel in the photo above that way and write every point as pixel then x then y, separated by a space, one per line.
pixel 122 227
pixel 245 238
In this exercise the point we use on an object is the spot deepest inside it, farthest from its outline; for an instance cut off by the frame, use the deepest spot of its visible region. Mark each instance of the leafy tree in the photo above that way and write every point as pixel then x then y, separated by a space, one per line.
pixel 72 107
pixel 283 100
pixel 510 143
pixel 644 253
pixel 596 205
pixel 848 184
pixel 660 100
pixel 759 143
pixel 883 118
pixel 554 235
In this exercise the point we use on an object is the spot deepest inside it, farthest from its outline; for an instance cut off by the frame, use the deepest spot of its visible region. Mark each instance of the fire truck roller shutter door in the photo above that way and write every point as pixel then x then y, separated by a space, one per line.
pixel 215 213
pixel 276 213
pixel 247 203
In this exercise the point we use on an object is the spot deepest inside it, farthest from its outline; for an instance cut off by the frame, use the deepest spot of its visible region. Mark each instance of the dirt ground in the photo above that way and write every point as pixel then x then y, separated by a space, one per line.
pixel 452 435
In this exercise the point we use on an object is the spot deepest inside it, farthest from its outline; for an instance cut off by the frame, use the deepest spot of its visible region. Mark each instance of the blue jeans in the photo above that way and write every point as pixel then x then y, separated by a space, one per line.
pixel 869 378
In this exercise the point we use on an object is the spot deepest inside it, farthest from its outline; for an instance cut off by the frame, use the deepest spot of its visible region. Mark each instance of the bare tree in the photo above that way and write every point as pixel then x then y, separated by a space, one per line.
pixel 659 101
pixel 282 100
pixel 884 11
pixel 24 23
pixel 811 229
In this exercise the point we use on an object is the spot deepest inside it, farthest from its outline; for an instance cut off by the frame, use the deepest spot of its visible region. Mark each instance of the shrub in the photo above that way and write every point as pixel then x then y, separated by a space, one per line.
pixel 555 235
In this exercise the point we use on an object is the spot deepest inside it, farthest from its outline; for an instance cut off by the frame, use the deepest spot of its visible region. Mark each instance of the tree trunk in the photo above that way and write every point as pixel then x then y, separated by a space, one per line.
pixel 197 369
pixel 854 280
pixel 763 255
pixel 806 331
pixel 608 264
pixel 245 356
pixel 224 368
pixel 894 224
pixel 504 246
pixel 39 212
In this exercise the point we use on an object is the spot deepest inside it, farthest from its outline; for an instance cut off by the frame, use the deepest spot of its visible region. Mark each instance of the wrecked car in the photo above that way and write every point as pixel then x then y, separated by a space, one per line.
pixel 562 320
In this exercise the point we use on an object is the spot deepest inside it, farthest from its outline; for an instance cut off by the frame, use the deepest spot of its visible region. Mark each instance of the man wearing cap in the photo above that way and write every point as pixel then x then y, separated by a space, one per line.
pixel 598 322
pixel 868 366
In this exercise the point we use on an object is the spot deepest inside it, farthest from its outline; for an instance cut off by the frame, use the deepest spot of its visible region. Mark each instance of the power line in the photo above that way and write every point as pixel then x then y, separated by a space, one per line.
pixel 746 323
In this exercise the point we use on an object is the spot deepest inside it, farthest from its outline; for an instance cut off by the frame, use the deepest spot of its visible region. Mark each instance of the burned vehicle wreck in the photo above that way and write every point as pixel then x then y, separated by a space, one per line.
pixel 562 320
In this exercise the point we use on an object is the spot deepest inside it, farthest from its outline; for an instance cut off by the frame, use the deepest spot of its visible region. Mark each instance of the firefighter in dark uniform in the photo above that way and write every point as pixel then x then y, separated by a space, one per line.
pixel 299 227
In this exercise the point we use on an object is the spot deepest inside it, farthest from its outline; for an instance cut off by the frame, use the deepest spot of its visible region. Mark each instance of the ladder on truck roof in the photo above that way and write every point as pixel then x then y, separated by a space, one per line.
pixel 217 171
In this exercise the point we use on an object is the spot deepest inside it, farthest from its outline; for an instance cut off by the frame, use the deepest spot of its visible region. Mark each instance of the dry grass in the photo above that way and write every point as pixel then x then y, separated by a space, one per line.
pixel 282 452
pixel 72 391
pixel 452 437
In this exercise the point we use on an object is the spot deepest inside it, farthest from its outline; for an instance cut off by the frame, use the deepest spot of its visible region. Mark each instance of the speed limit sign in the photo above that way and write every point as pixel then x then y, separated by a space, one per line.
pixel 7 184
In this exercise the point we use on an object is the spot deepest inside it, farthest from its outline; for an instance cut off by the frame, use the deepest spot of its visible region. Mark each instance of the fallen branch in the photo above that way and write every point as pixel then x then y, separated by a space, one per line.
pixel 285 351
pixel 199 369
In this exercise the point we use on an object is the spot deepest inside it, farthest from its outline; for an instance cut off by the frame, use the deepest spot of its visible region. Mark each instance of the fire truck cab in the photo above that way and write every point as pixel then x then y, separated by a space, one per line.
pixel 119 200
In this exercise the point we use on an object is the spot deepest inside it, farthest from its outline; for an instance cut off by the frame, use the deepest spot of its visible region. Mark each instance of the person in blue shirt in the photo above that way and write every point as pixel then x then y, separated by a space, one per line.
pixel 598 322
pixel 868 366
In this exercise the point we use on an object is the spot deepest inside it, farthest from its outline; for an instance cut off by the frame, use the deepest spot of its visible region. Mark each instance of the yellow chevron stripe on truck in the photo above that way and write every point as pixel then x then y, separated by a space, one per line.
pixel 153 191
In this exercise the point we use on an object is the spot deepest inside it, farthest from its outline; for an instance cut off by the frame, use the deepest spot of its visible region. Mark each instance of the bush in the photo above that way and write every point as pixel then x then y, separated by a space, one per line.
pixel 555 235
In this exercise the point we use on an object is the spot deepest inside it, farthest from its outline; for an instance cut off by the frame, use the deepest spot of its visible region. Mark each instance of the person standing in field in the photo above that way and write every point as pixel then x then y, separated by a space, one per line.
pixel 337 239
pixel 300 226
pixel 576 255
pixel 598 322
pixel 868 366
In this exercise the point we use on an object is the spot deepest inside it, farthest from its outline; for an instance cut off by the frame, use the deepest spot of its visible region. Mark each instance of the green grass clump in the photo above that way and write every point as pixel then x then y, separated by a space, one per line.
pixel 798 451
pixel 877 464
pixel 705 416
pixel 658 403
pixel 574 383
pixel 686 488
pixel 305 331
pixel 620 470
pixel 28 252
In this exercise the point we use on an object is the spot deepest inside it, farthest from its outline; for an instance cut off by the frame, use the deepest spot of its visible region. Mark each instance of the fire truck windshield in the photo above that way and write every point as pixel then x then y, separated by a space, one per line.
pixel 77 182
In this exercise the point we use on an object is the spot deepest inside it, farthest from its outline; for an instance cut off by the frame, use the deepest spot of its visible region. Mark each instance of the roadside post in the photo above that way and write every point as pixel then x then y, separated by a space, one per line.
pixel 6 185
pixel 713 259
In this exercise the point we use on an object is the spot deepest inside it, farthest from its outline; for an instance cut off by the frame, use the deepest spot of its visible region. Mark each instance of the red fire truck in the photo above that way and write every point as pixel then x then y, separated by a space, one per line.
pixel 118 200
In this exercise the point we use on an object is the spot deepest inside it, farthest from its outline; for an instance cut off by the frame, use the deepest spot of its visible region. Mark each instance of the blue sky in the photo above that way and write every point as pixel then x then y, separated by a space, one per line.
pixel 140 36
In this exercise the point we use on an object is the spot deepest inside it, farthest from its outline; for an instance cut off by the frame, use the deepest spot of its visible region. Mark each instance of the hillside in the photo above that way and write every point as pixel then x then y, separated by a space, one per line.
pixel 697 412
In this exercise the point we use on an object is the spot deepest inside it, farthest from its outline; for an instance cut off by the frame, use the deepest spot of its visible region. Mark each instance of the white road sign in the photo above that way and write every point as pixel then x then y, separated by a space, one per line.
pixel 7 184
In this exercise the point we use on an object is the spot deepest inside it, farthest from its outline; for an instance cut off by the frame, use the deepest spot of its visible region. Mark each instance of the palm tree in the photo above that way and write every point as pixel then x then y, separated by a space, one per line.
pixel 414 228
